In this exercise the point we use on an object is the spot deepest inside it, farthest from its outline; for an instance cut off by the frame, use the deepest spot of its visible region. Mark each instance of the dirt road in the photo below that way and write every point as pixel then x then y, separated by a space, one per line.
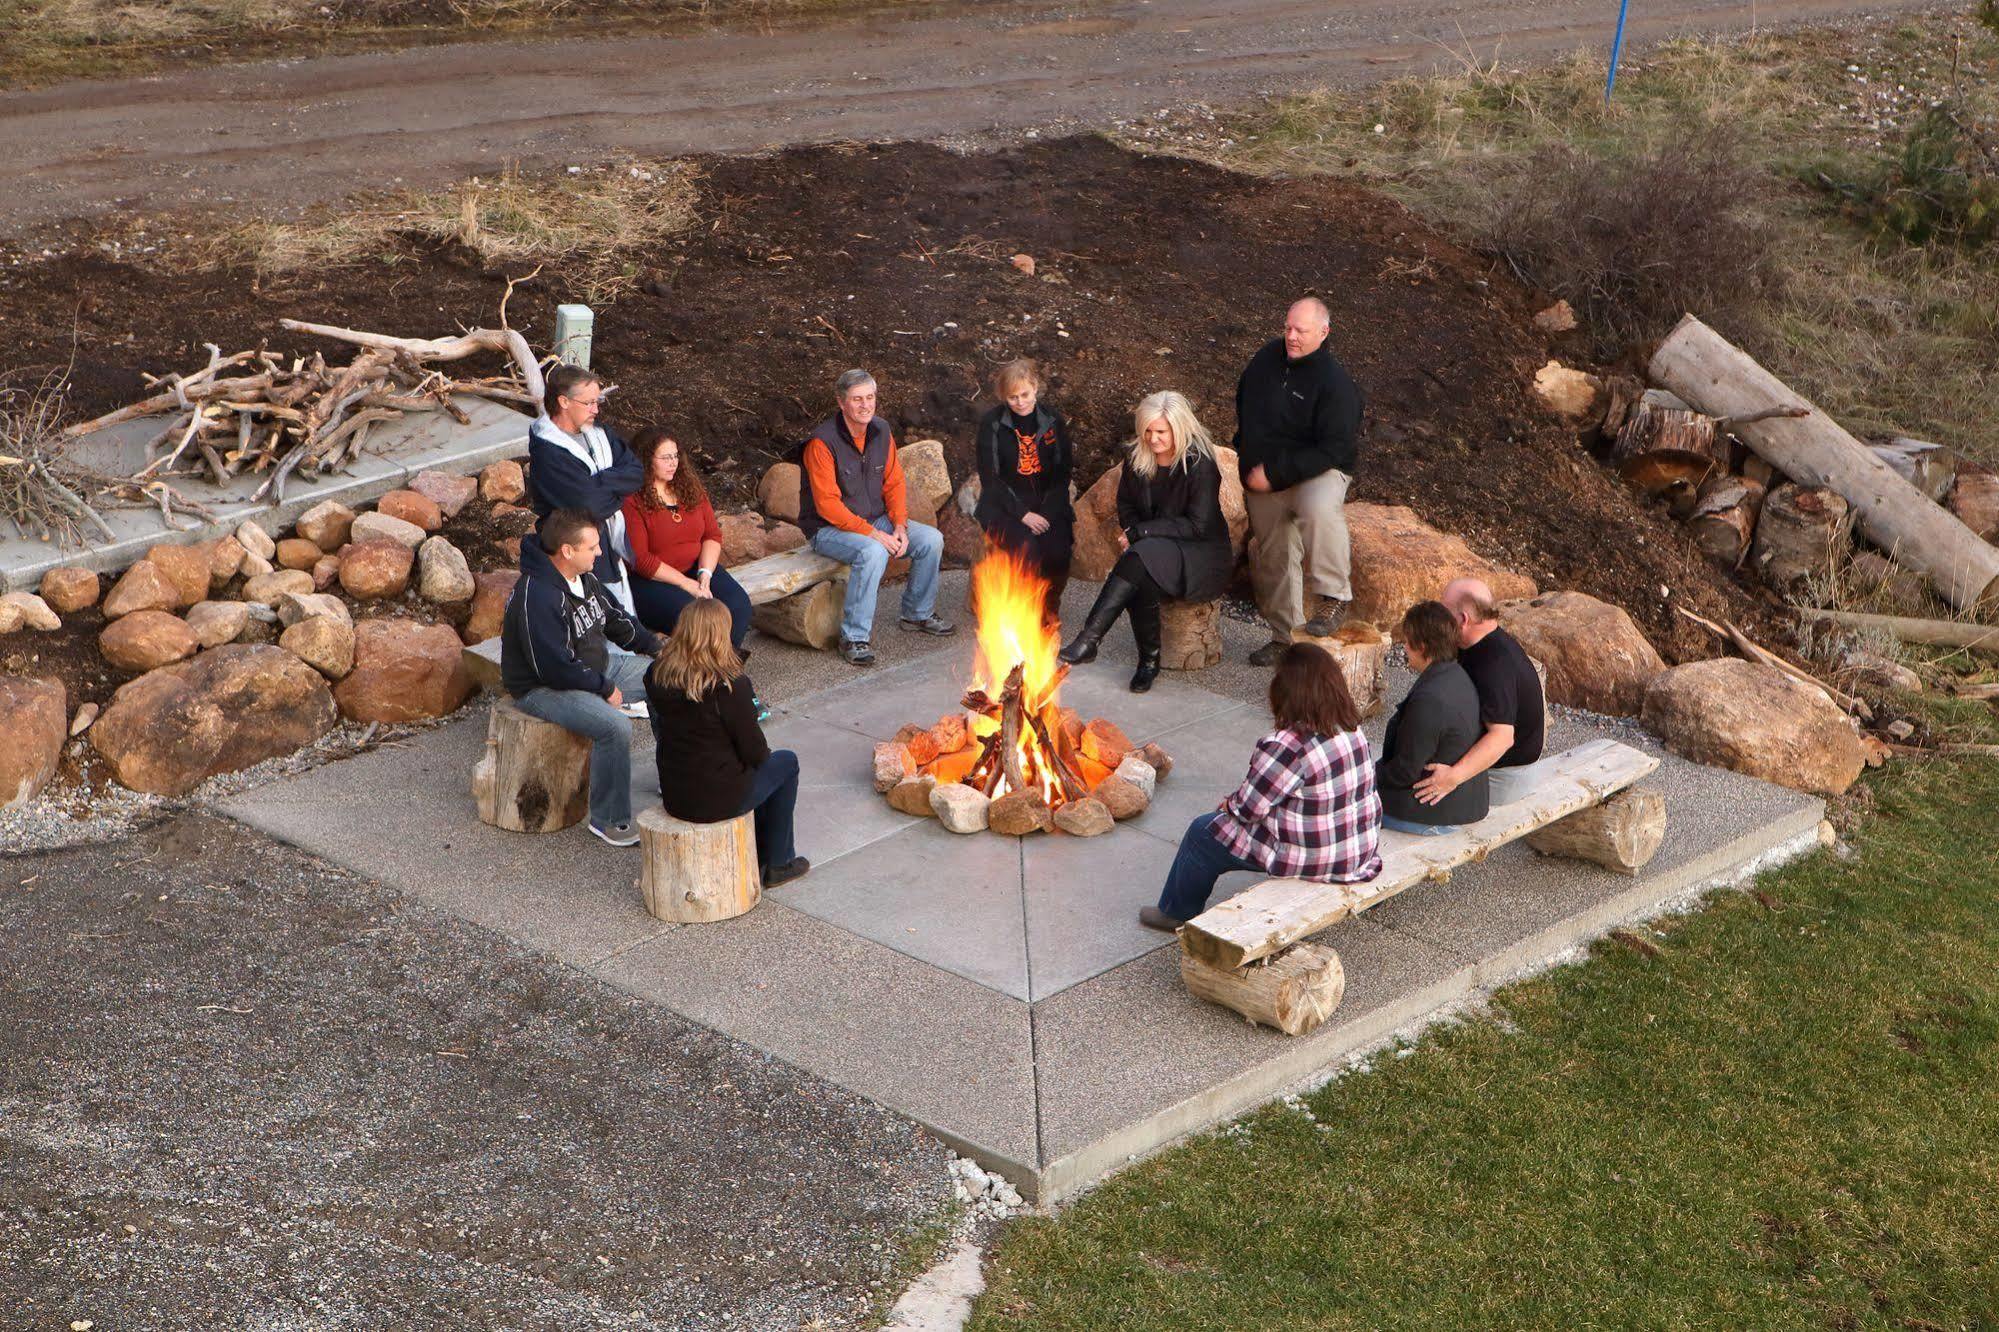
pixel 285 133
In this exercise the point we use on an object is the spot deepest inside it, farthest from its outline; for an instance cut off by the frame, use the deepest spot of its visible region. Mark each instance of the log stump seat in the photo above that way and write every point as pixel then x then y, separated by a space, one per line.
pixel 693 873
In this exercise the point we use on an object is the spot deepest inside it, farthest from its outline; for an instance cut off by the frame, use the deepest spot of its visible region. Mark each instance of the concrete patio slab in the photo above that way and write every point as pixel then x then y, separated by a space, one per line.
pixel 999 990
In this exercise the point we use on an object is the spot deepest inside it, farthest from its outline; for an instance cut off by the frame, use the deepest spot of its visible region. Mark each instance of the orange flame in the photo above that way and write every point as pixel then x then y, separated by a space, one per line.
pixel 1008 596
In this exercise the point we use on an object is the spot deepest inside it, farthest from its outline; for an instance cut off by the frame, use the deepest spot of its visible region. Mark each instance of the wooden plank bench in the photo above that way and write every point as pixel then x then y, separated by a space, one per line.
pixel 797 595
pixel 1246 953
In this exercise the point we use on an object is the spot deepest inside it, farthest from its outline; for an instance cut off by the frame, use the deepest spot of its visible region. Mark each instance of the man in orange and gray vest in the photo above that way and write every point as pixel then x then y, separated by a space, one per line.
pixel 854 508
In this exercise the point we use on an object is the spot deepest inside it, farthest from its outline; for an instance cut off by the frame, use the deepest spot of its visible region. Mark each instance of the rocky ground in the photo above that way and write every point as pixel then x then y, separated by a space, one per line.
pixel 241 1088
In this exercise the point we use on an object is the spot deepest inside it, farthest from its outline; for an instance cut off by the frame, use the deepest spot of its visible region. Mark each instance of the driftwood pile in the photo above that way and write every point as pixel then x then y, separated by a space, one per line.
pixel 258 412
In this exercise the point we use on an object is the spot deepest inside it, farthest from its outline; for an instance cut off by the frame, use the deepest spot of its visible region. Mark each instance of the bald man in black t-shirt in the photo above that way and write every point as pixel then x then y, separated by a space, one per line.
pixel 1511 705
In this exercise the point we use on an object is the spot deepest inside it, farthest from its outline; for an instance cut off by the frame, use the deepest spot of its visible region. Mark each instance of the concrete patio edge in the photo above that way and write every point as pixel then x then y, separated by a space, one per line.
pixel 1726 866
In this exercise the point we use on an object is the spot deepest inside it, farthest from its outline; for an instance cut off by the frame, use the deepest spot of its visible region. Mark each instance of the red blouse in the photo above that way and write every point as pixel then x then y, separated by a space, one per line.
pixel 657 538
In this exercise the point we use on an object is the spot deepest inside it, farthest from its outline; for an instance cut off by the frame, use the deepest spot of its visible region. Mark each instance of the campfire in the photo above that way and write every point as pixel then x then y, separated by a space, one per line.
pixel 1014 758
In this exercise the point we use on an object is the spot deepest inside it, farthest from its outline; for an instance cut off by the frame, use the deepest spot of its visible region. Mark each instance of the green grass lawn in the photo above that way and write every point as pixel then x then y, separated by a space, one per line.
pixel 1781 1110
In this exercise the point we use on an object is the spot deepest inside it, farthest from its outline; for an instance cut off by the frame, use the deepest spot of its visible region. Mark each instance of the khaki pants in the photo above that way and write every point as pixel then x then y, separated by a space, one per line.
pixel 1301 541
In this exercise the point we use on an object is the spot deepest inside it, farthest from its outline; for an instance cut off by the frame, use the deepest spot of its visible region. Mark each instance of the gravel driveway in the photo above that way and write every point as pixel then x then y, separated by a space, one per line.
pixel 240 1088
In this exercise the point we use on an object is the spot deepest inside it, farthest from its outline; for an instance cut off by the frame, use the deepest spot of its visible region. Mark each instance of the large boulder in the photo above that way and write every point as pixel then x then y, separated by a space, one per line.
pixel 1096 548
pixel 172 729
pixel 1399 560
pixel 926 479
pixel 782 536
pixel 1595 657
pixel 386 527
pixel 413 507
pixel 323 642
pixel 372 570
pixel 144 586
pixel 448 492
pixel 186 567
pixel 743 538
pixel 328 524
pixel 298 553
pixel 443 576
pixel 404 671
pixel 777 492
pixel 266 589
pixel 35 612
pixel 503 482
pixel 489 604
pixel 69 589
pixel 214 623
pixel 296 606
pixel 1755 719
pixel 146 640
pixel 34 721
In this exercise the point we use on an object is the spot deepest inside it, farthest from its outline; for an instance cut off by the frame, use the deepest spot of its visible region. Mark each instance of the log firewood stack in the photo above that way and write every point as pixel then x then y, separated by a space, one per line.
pixel 260 413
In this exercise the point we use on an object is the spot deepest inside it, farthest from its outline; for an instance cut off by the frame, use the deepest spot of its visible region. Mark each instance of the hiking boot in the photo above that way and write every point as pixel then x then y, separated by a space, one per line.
pixel 617 834
pixel 1269 653
pixel 1327 619
pixel 934 625
pixel 1154 919
pixel 779 875
pixel 857 651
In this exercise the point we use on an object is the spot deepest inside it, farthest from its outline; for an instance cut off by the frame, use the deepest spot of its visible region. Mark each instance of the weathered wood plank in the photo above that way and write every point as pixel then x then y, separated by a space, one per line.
pixel 775 577
pixel 1276 912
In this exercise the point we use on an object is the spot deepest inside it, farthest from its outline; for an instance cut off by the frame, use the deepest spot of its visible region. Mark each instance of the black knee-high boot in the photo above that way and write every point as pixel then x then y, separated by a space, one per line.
pixel 1111 602
pixel 1145 628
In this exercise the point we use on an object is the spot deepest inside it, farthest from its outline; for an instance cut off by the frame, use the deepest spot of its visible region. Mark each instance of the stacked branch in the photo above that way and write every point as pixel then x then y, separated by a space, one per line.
pixel 1002 765
pixel 258 413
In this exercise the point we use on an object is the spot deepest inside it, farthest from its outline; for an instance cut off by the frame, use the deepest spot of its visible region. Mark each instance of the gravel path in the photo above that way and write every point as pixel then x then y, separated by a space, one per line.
pixel 240 1088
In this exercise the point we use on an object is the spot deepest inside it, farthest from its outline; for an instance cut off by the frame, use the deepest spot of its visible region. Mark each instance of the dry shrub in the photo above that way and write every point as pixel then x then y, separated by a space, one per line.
pixel 595 219
pixel 1635 241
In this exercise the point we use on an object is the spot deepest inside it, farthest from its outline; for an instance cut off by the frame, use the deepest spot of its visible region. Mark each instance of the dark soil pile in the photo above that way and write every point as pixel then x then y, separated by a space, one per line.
pixel 1149 273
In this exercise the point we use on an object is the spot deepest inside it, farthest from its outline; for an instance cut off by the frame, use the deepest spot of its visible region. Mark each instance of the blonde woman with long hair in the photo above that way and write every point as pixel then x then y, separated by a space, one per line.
pixel 714 762
pixel 1171 529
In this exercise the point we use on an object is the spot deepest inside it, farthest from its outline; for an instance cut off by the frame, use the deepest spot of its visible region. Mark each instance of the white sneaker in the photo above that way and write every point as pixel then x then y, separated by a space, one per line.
pixel 636 709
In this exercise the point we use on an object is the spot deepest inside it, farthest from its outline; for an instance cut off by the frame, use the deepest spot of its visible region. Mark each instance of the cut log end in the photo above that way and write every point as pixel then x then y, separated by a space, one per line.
pixel 1622 834
pixel 1293 991
pixel 810 618
pixel 1190 635
pixel 694 873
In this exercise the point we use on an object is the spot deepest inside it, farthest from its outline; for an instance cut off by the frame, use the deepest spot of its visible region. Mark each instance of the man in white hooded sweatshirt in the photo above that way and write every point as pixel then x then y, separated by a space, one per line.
pixel 574 463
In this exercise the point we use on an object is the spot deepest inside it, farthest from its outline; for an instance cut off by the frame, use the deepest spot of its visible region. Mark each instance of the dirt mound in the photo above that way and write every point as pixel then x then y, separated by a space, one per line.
pixel 1149 273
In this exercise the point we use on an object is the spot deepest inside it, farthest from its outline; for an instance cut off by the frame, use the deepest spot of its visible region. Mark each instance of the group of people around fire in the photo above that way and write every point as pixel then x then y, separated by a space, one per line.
pixel 623 609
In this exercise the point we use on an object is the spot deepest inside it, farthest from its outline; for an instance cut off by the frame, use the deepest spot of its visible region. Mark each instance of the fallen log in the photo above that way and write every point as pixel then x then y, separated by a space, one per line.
pixel 1715 377
pixel 1932 633
pixel 1622 834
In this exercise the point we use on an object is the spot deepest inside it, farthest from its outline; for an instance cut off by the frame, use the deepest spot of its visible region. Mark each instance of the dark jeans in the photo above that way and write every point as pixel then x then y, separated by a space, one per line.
pixel 1200 861
pixel 659 604
pixel 773 794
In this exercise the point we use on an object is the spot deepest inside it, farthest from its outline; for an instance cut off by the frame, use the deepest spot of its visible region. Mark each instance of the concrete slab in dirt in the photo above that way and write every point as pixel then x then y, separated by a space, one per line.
pixel 396 451
pixel 999 990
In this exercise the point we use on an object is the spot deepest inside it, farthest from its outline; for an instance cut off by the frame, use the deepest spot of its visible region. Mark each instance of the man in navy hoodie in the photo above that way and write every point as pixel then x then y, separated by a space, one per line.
pixel 574 463
pixel 558 662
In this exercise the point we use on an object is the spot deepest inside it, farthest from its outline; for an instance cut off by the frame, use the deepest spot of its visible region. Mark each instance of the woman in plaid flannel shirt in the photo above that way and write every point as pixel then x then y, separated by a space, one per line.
pixel 1307 809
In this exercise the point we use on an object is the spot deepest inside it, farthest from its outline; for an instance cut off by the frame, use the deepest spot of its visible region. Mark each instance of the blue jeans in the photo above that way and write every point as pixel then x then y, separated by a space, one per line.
pixel 659 604
pixel 608 730
pixel 1420 829
pixel 1200 861
pixel 868 559
pixel 773 794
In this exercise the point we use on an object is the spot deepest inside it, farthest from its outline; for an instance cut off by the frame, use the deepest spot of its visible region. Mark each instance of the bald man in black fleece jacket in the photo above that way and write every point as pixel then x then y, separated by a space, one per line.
pixel 1297 439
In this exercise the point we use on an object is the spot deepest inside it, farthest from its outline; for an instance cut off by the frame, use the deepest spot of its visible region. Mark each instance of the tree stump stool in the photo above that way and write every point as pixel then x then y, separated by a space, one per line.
pixel 1362 653
pixel 534 776
pixel 1190 635
pixel 698 872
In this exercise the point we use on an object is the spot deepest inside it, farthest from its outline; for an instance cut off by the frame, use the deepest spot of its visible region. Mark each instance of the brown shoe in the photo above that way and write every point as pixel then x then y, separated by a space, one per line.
pixel 1269 654
pixel 1327 619
pixel 1154 919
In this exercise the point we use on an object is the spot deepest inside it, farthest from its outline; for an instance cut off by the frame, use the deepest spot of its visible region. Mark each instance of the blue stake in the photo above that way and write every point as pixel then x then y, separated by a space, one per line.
pixel 1616 49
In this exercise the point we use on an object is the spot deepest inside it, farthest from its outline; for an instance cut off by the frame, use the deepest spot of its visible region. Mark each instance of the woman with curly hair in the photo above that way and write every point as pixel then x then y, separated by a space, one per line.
pixel 676 541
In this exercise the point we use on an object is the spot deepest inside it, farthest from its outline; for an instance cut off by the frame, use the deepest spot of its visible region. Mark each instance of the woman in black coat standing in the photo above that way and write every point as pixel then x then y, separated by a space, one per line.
pixel 1174 538
pixel 1025 462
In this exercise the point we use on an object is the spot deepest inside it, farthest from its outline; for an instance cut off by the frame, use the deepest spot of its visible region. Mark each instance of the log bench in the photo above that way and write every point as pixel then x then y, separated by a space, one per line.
pixel 795 595
pixel 1247 953
pixel 692 873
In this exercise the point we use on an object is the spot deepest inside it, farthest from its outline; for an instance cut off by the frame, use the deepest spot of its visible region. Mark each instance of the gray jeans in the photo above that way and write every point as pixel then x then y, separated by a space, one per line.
pixel 608 730
pixel 1510 784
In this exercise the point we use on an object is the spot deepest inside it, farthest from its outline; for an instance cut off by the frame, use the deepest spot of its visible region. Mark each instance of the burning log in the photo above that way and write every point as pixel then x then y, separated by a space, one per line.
pixel 1010 730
